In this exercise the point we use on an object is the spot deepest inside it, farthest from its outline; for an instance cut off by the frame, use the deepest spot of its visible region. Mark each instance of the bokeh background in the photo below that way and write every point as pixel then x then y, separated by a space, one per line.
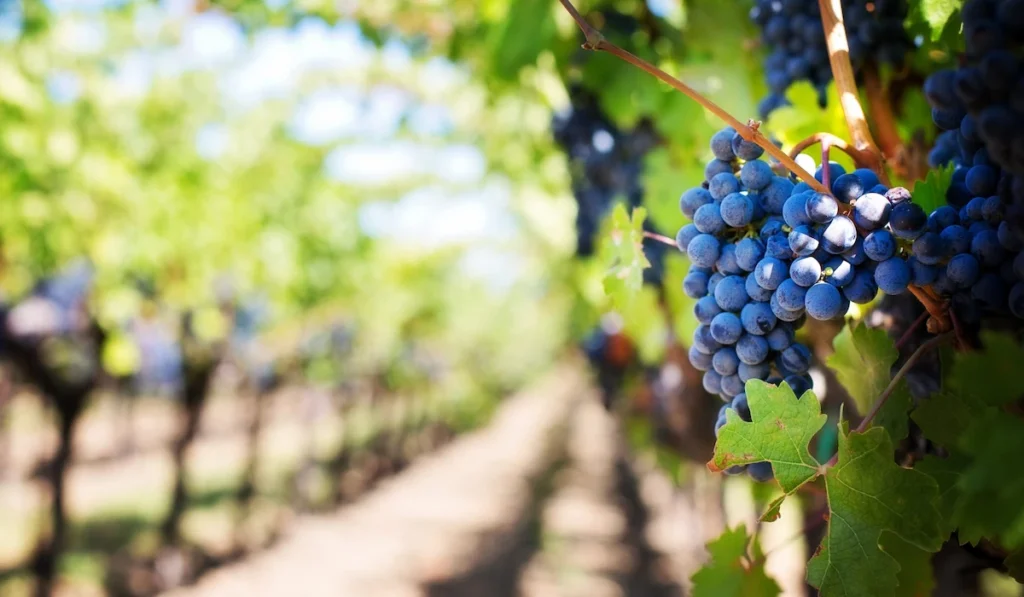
pixel 307 298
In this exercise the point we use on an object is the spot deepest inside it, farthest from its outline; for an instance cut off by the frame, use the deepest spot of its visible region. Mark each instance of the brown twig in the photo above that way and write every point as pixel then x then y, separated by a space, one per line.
pixel 859 157
pixel 891 145
pixel 910 331
pixel 661 238
pixel 938 309
pixel 842 72
pixel 826 172
pixel 749 131
pixel 916 356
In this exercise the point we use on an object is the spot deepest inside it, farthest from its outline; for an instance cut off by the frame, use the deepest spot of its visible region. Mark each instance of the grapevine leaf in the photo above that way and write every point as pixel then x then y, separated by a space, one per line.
pixel 930 193
pixel 947 473
pixel 781 427
pixel 662 179
pixel 644 323
pixel 626 274
pixel 868 494
pixel 915 577
pixel 728 574
pixel 1015 565
pixel 863 360
pixel 937 12
pixel 685 322
pixel 804 117
pixel 998 366
pixel 945 416
pixel 992 484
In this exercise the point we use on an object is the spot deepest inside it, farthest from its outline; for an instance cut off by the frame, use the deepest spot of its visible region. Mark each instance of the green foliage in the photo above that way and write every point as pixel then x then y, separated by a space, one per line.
pixel 936 14
pixel 862 361
pixel 930 193
pixel 625 274
pixel 869 494
pixel 780 430
pixel 998 365
pixel 684 322
pixel 733 572
pixel 805 117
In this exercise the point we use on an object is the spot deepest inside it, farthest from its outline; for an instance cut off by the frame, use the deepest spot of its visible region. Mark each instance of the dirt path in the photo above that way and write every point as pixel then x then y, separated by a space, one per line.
pixel 452 521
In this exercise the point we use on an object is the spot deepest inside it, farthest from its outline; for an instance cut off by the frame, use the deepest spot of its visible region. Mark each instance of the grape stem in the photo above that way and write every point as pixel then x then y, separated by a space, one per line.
pixel 749 131
pixel 842 72
pixel 937 308
pixel 661 238
pixel 910 331
pixel 859 157
pixel 914 358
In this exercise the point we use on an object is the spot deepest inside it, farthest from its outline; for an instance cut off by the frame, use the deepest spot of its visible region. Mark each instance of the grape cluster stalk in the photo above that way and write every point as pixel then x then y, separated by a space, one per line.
pixel 791 31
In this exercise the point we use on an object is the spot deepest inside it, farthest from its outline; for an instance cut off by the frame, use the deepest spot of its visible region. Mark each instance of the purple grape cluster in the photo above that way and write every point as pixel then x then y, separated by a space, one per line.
pixel 791 31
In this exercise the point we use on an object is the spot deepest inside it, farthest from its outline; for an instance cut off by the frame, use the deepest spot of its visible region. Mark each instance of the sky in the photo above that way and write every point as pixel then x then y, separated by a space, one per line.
pixel 357 124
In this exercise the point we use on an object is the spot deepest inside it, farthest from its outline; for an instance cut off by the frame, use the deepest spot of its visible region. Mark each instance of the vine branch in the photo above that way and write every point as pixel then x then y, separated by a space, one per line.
pixel 859 157
pixel 597 42
pixel 914 358
pixel 842 72
pixel 661 238
pixel 892 146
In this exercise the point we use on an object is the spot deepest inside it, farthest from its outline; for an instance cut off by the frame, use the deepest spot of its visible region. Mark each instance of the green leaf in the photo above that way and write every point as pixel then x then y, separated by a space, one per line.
pixel 1015 565
pixel 945 416
pixel 781 427
pixel 730 573
pixel 947 473
pixel 805 117
pixel 930 193
pixel 863 360
pixel 664 180
pixel 684 322
pixel 937 12
pixel 625 277
pixel 993 374
pixel 868 494
pixel 915 578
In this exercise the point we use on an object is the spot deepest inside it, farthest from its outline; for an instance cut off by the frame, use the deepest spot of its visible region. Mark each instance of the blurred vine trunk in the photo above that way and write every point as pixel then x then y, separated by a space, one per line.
pixel 261 393
pixel 200 363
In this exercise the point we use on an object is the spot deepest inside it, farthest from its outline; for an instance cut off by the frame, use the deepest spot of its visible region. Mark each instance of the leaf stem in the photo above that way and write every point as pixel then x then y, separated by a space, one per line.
pixel 661 238
pixel 914 358
pixel 749 131
pixel 842 72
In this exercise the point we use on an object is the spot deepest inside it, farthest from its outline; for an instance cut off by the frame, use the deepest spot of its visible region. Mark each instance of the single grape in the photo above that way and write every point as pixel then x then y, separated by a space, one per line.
pixel 796 358
pixel 722 185
pixel 794 211
pixel 803 240
pixel 712 382
pixel 879 245
pixel 757 318
pixel 693 199
pixel 848 187
pixel 770 272
pixel 752 349
pixel 963 270
pixel 892 275
pixel 921 274
pixel 703 250
pixel 760 471
pixel 821 208
pixel 703 341
pixel 871 211
pixel 705 309
pixel 715 167
pixel 726 263
pixel 799 384
pixel 685 235
pixel 942 218
pixel 708 219
pixel 990 291
pixel 834 170
pixel 778 247
pixel 907 220
pixel 789 315
pixel 725 361
pixel 699 360
pixel 839 235
pixel 856 254
pixel 746 150
pixel 929 248
pixel 726 328
pixel 737 210
pixel 748 252
pixel 805 271
pixel 713 282
pixel 774 196
pixel 956 238
pixel 986 247
pixel 695 284
pixel 756 175
pixel 721 144
pixel 837 272
pixel 862 289
pixel 731 293
pixel 732 385
pixel 790 295
pixel 823 301
pixel 740 405
pixel 754 290
pixel 781 337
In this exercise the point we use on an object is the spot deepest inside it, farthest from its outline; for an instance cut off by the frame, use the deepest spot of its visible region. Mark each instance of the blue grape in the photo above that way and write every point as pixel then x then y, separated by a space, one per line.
pixel 790 295
pixel 986 247
pixel 757 318
pixel 731 293
pixel 992 210
pixel 737 210
pixel 778 247
pixel 754 290
pixel 715 167
pixel 803 241
pixel 699 360
pixel 703 250
pixel 856 254
pixel 942 218
pixel 799 384
pixel 704 341
pixel 796 358
pixel 920 273
pixel 712 382
pixel 713 282
pixel 725 361
pixel 726 328
pixel 752 349
pixel 929 248
pixel 838 272
pixel 821 208
pixel 862 289
pixel 760 471
pixel 732 385
pixel 726 263
pixel 907 220
pixel 834 172
pixel 746 150
pixel 963 270
pixel 805 271
pixel 781 337
pixel 867 177
pixel 840 235
pixel 879 245
pixel 693 199
pixel 708 219
pixel 892 275
pixel 981 180
pixel 756 175
pixel 748 252
pixel 722 185
pixel 770 272
pixel 990 291
pixel 1008 238
pixel 848 187
pixel 746 372
pixel 685 235
pixel 695 284
pixel 823 301
pixel 774 196
pixel 721 144
pixel 794 210
pixel 706 309
pixel 771 226
pixel 740 405
pixel 956 238
pixel 789 315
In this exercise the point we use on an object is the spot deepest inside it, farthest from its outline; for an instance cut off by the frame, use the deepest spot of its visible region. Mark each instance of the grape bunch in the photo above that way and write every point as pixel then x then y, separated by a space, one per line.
pixel 978 106
pixel 792 33
pixel 606 165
